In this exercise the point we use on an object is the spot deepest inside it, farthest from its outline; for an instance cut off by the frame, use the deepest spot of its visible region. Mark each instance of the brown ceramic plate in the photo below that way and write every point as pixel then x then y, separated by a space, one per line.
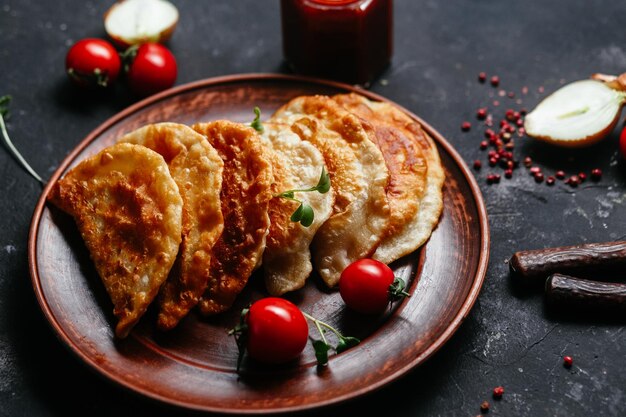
pixel 194 366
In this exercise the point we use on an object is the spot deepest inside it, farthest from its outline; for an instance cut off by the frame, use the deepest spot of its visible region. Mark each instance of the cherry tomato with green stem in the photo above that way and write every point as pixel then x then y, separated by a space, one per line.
pixel 369 286
pixel 151 68
pixel 277 331
pixel 93 63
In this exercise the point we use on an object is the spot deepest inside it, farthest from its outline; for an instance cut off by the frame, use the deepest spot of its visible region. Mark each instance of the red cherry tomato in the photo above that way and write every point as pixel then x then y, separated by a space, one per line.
pixel 93 63
pixel 364 286
pixel 277 330
pixel 153 69
pixel 622 142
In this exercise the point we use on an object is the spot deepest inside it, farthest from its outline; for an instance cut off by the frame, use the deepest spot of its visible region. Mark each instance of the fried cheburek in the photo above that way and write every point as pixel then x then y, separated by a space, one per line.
pixel 197 169
pixel 408 169
pixel 297 164
pixel 358 174
pixel 129 213
pixel 414 230
pixel 246 192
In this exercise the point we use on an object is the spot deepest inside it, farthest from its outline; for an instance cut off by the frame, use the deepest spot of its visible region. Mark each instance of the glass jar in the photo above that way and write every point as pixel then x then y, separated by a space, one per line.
pixel 344 40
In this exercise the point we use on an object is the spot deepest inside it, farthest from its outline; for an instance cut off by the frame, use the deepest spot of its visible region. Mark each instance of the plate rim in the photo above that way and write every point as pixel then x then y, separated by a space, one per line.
pixel 451 328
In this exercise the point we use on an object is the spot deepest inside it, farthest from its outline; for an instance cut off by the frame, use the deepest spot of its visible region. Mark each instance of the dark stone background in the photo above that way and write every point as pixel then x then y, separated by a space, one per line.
pixel 509 338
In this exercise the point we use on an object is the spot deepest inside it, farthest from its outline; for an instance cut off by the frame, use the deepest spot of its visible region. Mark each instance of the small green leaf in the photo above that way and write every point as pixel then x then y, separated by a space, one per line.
pixel 4 105
pixel 296 216
pixel 306 219
pixel 321 352
pixel 346 343
pixel 323 185
pixel 256 123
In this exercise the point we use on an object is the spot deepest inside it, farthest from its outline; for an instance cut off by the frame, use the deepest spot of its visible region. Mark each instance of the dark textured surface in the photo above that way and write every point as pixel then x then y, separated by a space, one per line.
pixel 509 338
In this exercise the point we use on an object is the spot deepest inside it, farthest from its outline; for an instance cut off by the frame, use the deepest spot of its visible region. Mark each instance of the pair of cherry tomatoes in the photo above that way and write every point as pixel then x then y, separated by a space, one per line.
pixel 95 63
pixel 277 331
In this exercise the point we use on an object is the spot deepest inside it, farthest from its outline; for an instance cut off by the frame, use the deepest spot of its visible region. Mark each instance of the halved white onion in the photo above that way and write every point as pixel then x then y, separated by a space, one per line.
pixel 578 114
pixel 130 22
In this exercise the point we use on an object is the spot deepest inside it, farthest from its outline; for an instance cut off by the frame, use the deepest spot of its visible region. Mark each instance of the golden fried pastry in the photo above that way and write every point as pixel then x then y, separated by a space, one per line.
pixel 407 170
pixel 197 169
pixel 245 196
pixel 358 174
pixel 129 212
pixel 415 229
pixel 297 164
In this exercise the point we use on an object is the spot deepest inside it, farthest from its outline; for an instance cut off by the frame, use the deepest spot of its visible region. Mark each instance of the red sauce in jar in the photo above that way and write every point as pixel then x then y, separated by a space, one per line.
pixel 346 40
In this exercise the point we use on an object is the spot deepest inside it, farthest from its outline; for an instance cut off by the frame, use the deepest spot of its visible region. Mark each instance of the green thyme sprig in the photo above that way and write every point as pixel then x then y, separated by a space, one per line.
pixel 4 113
pixel 304 213
pixel 322 347
pixel 256 123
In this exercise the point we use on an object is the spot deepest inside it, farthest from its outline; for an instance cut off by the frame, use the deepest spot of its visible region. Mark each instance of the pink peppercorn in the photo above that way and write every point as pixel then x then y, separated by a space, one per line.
pixel 560 174
pixel 495 80
pixel 496 178
pixel 497 392
pixel 550 180
pixel 528 161
pixel 484 407
pixel 489 133
pixel 508 173
pixel 573 181
pixel 477 164
pixel 465 126
pixel 538 177
pixel 483 145
pixel 482 77
pixel 596 174
pixel 493 161
pixel 535 170
pixel 582 176
pixel 568 361
pixel 481 113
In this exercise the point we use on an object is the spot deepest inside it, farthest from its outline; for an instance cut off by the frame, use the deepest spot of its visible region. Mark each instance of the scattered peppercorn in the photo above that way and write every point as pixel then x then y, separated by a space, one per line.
pixel 484 144
pixel 482 77
pixel 497 392
pixel 481 113
pixel 535 170
pixel 582 176
pixel 508 173
pixel 484 407
pixel 560 175
pixel 568 361
pixel 495 80
pixel 465 126
pixel 596 174
pixel 477 165
pixel 528 162
pixel 538 177
pixel 550 180
pixel 573 181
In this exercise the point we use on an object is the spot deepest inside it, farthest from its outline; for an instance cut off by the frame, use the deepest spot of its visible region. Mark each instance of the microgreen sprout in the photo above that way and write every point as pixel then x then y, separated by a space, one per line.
pixel 304 213
pixel 322 347
pixel 256 123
